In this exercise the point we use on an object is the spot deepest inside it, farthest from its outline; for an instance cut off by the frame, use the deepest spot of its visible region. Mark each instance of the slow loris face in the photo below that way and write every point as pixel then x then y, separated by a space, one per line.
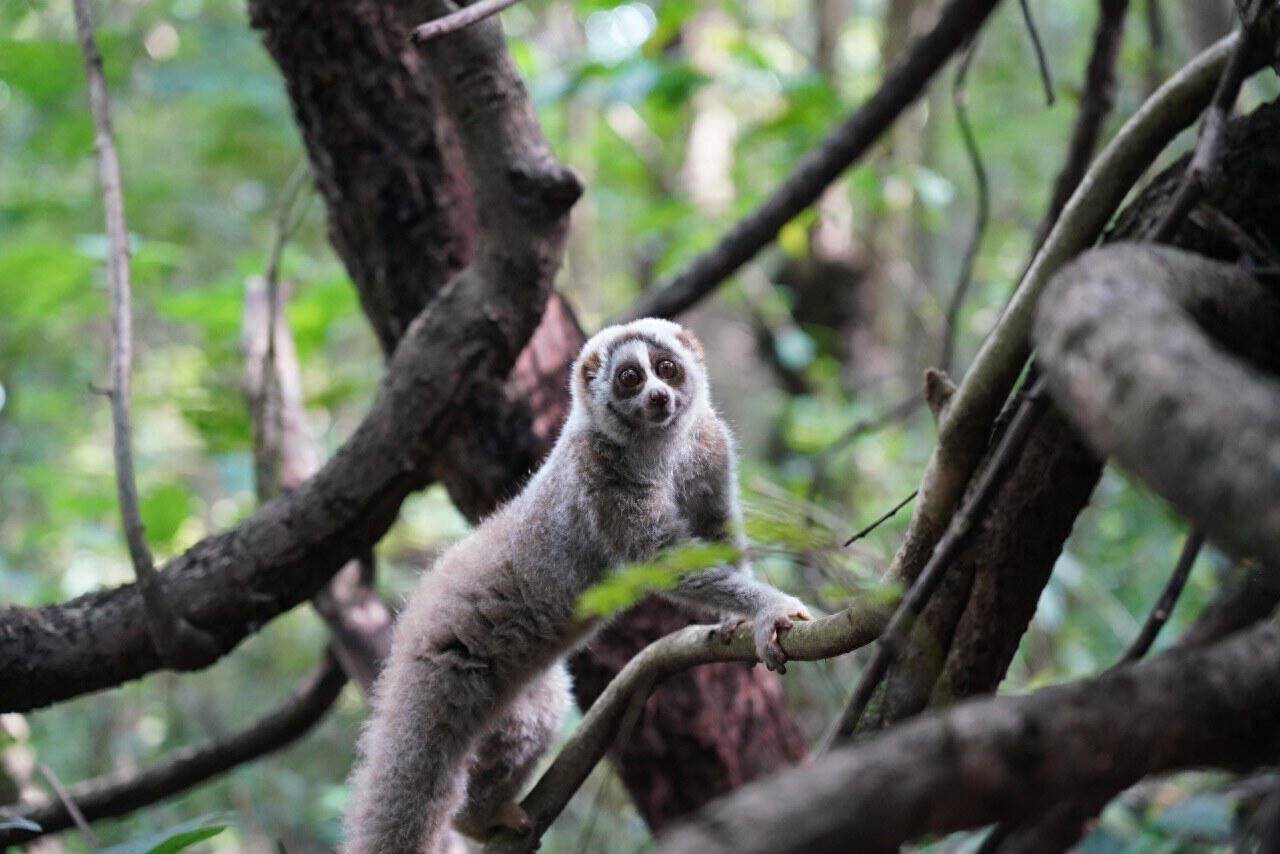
pixel 648 384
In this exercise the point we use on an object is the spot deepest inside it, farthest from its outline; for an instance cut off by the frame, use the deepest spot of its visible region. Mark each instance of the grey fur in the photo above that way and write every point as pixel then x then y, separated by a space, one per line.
pixel 475 688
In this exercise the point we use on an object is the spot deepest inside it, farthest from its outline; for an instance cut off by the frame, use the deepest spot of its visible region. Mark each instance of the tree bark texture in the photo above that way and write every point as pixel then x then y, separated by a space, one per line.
pixel 1013 553
pixel 1012 756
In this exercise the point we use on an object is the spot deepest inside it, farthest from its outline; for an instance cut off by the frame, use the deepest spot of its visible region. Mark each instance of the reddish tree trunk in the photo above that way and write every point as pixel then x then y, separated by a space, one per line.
pixel 403 220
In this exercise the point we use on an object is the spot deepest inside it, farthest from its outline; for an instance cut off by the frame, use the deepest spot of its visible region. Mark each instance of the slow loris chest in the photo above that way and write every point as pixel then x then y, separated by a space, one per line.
pixel 633 515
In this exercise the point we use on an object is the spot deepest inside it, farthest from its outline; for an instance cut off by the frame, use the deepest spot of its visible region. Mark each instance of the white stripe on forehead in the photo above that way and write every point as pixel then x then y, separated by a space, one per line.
pixel 634 349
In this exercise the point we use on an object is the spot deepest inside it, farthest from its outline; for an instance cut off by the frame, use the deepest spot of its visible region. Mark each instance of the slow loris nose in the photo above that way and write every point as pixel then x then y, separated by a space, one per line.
pixel 659 397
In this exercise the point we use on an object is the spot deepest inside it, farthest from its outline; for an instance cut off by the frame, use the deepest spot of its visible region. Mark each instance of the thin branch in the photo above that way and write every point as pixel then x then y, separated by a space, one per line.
pixel 892 643
pixel 842 147
pixel 286 453
pixel 1163 607
pixel 464 17
pixel 981 215
pixel 1042 60
pixel 826 637
pixel 881 520
pixel 175 639
pixel 120 794
pixel 1208 153
pixel 965 428
pixel 1096 102
pixel 69 805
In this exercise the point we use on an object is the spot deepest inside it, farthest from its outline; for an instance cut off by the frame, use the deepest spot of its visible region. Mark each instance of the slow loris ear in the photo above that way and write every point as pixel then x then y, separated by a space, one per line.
pixel 692 344
pixel 590 368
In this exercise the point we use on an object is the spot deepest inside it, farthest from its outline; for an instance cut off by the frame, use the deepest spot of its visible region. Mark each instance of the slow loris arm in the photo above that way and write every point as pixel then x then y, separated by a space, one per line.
pixel 709 499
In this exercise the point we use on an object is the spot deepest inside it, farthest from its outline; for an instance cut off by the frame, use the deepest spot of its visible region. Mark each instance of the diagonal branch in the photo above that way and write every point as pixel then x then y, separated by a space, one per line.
pixel 1096 101
pixel 175 639
pixel 826 637
pixel 469 336
pixel 464 17
pixel 965 427
pixel 120 794
pixel 842 147
pixel 1214 707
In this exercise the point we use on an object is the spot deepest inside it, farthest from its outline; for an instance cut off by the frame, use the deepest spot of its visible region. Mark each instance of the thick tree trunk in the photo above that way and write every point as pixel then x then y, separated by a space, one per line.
pixel 403 220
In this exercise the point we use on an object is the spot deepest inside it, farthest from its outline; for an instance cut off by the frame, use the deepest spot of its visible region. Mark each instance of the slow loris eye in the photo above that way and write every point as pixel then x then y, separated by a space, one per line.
pixel 667 369
pixel 629 378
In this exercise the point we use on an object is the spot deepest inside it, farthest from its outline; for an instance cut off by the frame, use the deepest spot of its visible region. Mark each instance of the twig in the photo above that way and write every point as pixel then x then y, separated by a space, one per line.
pixel 176 640
pixel 120 794
pixel 826 637
pixel 1208 153
pixel 842 146
pixel 1096 102
pixel 1046 75
pixel 1163 607
pixel 464 17
pixel 882 519
pixel 895 637
pixel 864 427
pixel 982 214
pixel 74 811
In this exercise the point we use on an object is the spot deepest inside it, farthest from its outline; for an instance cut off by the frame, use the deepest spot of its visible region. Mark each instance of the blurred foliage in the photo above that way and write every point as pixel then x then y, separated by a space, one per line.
pixel 624 90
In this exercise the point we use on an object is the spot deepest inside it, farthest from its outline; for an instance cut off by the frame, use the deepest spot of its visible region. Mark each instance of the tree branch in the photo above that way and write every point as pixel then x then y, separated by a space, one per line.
pixel 471 334
pixel 965 428
pixel 842 146
pixel 1096 101
pixel 464 17
pixel 895 637
pixel 120 794
pixel 983 211
pixel 175 639
pixel 1208 151
pixel 823 638
pixel 287 454
pixel 1010 756
pixel 1124 337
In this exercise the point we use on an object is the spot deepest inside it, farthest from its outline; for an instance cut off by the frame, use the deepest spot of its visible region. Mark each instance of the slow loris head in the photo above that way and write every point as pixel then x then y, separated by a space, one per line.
pixel 639 379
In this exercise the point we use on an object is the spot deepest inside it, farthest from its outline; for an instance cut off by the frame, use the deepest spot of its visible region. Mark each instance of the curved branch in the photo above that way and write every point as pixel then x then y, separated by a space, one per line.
pixel 1123 348
pixel 902 85
pixel 232 582
pixel 826 637
pixel 1010 756
pixel 119 794
pixel 965 426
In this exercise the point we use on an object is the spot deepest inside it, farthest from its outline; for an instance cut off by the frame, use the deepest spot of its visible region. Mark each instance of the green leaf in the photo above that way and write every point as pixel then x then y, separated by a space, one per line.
pixel 176 838
pixel 631 583
pixel 164 508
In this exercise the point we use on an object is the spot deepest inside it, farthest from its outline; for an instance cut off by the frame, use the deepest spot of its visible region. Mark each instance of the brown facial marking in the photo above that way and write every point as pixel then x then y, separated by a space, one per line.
pixel 691 343
pixel 675 373
pixel 590 368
